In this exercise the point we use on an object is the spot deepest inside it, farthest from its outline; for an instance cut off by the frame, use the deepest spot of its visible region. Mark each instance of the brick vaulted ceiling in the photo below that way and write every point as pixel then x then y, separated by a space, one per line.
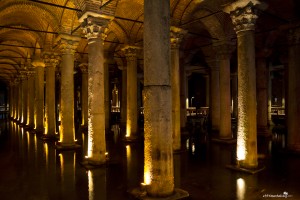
pixel 29 27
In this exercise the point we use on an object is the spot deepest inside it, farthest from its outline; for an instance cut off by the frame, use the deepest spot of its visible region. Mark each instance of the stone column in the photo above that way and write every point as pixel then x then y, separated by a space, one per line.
pixel 11 99
pixel 51 60
pixel 207 86
pixel 262 96
pixel 223 53
pixel 16 97
pixel 243 16
pixel 67 45
pixel 39 95
pixel 20 97
pixel 123 106
pixel 183 96
pixel 84 94
pixel 25 97
pixel 234 86
pixel 158 151
pixel 94 28
pixel 131 93
pixel 30 105
pixel 293 106
pixel 177 35
pixel 107 104
pixel 214 108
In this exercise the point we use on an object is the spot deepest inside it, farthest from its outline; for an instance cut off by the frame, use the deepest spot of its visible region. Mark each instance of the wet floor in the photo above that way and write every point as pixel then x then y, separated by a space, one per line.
pixel 31 169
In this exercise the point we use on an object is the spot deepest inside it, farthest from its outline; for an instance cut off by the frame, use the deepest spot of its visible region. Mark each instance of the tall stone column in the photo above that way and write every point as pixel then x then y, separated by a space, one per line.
pixel 123 106
pixel 20 97
pixel 131 93
pixel 67 45
pixel 158 142
pixel 24 97
pixel 214 109
pixel 16 98
pixel 262 96
pixel 84 94
pixel 94 28
pixel 243 16
pixel 30 105
pixel 51 60
pixel 107 97
pixel 39 95
pixel 177 35
pixel 223 53
pixel 293 106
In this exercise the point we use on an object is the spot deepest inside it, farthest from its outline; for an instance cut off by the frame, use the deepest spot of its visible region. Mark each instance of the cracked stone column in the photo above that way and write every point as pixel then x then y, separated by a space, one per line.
pixel 262 78
pixel 243 15
pixel 39 95
pixel 131 93
pixel 158 151
pixel 223 53
pixel 67 45
pixel 214 109
pixel 293 106
pixel 24 97
pixel 84 94
pixel 177 35
pixel 94 29
pixel 30 105
pixel 51 60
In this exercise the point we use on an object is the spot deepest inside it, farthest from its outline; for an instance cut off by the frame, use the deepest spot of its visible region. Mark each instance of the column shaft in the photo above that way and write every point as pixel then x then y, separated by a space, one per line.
pixel 84 97
pixel 107 97
pixel 158 168
pixel 25 100
pixel 50 101
pixel 20 100
pixel 39 98
pixel 30 108
pixel 215 97
pixel 124 97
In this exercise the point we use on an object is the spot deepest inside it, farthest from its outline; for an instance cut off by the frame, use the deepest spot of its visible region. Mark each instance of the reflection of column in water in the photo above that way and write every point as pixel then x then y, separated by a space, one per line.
pixel 97 184
pixel 46 152
pixel 84 144
pixel 240 189
pixel 134 169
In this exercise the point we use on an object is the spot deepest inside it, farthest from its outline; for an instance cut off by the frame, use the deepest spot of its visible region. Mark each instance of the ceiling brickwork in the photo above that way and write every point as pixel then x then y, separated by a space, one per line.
pixel 29 27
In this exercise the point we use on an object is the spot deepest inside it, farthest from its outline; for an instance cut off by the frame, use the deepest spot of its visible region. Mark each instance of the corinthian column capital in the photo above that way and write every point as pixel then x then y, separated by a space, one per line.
pixel 244 14
pixel 131 52
pixel 176 36
pixel 67 44
pixel 50 58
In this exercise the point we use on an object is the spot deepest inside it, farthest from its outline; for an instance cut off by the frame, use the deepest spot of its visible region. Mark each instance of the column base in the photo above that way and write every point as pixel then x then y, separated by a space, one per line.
pixel 224 140
pixel 89 164
pixel 50 137
pixel 132 139
pixel 38 131
pixel 246 170
pixel 67 146
pixel 140 193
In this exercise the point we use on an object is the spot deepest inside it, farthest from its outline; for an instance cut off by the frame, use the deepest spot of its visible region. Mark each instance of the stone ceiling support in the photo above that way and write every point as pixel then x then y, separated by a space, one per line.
pixel 293 111
pixel 123 106
pixel 51 60
pixel 30 105
pixel 24 97
pixel 131 53
pixel 20 98
pixel 16 98
pixel 243 15
pixel 177 35
pixel 94 29
pixel 84 94
pixel 39 95
pixel 67 45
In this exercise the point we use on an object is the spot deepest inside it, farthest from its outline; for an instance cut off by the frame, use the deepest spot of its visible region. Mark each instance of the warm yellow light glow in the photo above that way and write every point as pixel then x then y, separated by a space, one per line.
pixel 240 189
pixel 128 129
pixel 148 162
pixel 61 158
pixel 187 102
pixel 241 145
pixel 193 148
pixel 188 144
pixel 28 138
pixel 91 185
pixel 46 153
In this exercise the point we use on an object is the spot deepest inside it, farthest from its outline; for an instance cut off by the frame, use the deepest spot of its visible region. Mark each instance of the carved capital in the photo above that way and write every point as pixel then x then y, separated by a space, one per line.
pixel 244 14
pixel 84 67
pixel 51 58
pixel 67 44
pixel 176 36
pixel 131 52
pixel 95 27
pixel 38 63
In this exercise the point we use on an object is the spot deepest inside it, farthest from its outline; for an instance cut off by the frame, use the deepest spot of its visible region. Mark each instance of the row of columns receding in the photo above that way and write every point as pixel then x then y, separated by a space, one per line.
pixel 161 95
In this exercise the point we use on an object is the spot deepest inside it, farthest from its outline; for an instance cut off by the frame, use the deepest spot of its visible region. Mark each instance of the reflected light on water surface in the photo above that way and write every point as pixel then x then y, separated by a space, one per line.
pixel 240 189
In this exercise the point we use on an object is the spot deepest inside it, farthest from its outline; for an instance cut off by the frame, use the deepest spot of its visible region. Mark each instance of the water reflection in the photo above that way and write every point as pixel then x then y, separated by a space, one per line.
pixel 240 189
pixel 97 184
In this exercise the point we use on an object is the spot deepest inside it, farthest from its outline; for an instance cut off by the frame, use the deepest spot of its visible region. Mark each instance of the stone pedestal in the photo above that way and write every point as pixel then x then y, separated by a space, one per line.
pixel 51 60
pixel 177 35
pixel 94 28
pixel 243 16
pixel 131 93
pixel 39 95
pixel 67 45
pixel 84 94
pixel 293 114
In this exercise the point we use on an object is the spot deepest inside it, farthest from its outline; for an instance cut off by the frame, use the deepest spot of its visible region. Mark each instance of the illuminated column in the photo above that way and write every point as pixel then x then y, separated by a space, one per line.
pixel 94 29
pixel 51 60
pixel 123 105
pixel 234 94
pixel 177 35
pixel 30 105
pixel 20 97
pixel 39 95
pixel 223 53
pixel 243 17
pixel 158 151
pixel 214 94
pixel 84 94
pixel 262 96
pixel 107 104
pixel 131 94
pixel 67 45
pixel 16 99
pixel 293 114
pixel 11 99
pixel 24 98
